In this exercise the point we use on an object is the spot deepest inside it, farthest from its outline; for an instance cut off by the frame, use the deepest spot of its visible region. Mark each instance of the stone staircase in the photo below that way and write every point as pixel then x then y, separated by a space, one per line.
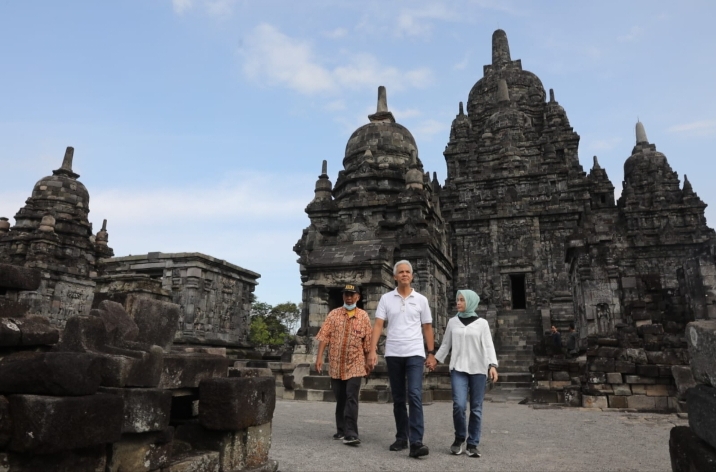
pixel 517 332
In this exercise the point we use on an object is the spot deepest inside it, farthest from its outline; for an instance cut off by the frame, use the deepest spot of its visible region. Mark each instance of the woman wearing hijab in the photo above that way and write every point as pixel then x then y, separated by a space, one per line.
pixel 473 359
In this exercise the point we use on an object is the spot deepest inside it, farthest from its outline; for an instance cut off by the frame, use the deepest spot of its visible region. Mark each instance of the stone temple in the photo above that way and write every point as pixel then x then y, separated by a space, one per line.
pixel 543 242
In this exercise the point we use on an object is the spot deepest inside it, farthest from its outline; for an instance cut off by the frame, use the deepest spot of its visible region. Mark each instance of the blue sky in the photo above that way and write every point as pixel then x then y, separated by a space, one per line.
pixel 200 125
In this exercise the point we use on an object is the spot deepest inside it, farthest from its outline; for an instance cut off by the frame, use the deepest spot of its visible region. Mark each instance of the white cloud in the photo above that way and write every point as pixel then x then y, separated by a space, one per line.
pixel 695 128
pixel 180 6
pixel 276 59
pixel 335 105
pixel 604 144
pixel 405 114
pixel 634 33
pixel 336 33
pixel 415 22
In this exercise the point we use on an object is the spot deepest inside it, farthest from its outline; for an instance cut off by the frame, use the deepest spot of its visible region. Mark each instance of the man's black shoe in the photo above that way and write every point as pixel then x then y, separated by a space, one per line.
pixel 398 445
pixel 338 436
pixel 418 450
pixel 472 451
pixel 351 440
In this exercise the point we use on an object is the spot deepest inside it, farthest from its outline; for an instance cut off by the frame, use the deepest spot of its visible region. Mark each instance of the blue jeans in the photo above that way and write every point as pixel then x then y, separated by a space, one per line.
pixel 462 384
pixel 399 369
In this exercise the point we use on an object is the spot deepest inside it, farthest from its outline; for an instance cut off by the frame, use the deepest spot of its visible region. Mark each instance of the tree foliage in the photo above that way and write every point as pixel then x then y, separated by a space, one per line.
pixel 272 326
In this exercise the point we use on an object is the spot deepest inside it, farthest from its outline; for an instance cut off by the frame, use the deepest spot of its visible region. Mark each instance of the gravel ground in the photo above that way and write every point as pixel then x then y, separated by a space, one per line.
pixel 514 438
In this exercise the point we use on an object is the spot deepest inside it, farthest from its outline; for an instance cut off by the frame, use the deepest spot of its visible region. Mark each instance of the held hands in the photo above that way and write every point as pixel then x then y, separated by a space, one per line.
pixel 431 362
pixel 371 360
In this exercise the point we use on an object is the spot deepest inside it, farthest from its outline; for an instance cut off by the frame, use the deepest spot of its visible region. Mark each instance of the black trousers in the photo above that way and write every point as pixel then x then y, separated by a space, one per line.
pixel 346 393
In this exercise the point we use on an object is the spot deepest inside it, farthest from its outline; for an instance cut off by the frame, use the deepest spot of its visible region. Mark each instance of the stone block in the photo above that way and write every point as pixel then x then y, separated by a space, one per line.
pixel 560 375
pixel 134 369
pixel 641 402
pixel 44 425
pixel 559 384
pixel 13 308
pixel 232 404
pixel 84 334
pixel 638 389
pixel 30 330
pixel 634 356
pixel 601 364
pixel 701 339
pixel 689 453
pixel 636 379
pixel 257 445
pixel 188 370
pixel 91 459
pixel 145 409
pixel 157 321
pixel 19 278
pixel 139 453
pixel 614 378
pixel 671 356
pixel 660 390
pixel 609 352
pixel 544 396
pixel 617 401
pixel 623 389
pixel 120 327
pixel 597 378
pixel 647 370
pixel 625 367
pixel 702 412
pixel 684 379
pixel 250 372
pixel 5 422
pixel 194 461
pixel 573 396
pixel 50 373
pixel 591 401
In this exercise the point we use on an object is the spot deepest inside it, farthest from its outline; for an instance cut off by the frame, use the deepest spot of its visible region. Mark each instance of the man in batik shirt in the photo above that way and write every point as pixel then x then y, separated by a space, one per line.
pixel 347 331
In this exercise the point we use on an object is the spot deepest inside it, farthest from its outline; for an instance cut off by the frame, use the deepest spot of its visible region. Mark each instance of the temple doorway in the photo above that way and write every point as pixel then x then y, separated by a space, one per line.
pixel 519 297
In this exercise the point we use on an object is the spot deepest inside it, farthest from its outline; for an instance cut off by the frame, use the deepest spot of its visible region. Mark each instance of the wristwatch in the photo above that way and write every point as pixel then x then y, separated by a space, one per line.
pixel 432 352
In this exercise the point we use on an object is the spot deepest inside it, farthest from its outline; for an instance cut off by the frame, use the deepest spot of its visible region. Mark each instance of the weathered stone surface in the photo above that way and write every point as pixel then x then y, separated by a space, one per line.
pixel 145 409
pixel 232 404
pixel 194 461
pixel 50 373
pixel 90 459
pixel 120 327
pixel 634 356
pixel 12 308
pixel 249 372
pixel 684 379
pixel 701 338
pixel 641 402
pixel 30 330
pixel 625 367
pixel 188 370
pixel 19 278
pixel 614 378
pixel 258 443
pixel 689 453
pixel 668 357
pixel 591 401
pixel 617 401
pixel 622 389
pixel 702 412
pixel 139 453
pixel 5 422
pixel 84 334
pixel 157 321
pixel 44 425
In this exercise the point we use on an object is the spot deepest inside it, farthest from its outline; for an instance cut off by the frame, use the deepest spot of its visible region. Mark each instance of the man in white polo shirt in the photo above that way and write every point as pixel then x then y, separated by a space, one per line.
pixel 409 323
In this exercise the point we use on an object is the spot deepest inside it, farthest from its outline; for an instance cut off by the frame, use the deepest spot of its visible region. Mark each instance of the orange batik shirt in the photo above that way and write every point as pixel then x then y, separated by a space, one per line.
pixel 348 340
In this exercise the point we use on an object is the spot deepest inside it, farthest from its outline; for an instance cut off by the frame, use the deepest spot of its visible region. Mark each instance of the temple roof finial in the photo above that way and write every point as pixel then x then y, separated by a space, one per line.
pixel 596 163
pixel 66 168
pixel 382 115
pixel 324 167
pixel 500 48
pixel 503 95
pixel 461 112
pixel 551 95
pixel 641 133
pixel 688 189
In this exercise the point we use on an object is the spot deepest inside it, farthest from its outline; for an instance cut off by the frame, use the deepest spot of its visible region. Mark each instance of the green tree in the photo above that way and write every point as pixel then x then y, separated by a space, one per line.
pixel 272 325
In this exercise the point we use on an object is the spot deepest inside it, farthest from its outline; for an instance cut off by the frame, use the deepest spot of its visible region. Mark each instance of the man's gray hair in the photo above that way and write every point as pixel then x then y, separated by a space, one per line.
pixel 407 263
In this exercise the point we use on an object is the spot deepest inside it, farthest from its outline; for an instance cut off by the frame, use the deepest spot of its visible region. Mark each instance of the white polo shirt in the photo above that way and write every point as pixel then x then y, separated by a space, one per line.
pixel 405 317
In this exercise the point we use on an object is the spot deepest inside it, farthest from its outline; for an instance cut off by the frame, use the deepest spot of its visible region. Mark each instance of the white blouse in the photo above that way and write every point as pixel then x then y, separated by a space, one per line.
pixel 472 347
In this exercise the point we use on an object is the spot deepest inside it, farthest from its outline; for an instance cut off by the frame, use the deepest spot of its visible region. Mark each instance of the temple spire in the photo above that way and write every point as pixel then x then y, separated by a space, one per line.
pixel 461 112
pixel 641 134
pixel 596 163
pixel 382 114
pixel 551 96
pixel 500 48
pixel 324 168
pixel 66 168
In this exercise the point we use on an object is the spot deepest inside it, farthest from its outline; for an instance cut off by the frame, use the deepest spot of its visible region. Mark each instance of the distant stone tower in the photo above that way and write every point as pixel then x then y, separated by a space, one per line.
pixel 648 260
pixel 514 191
pixel 52 233
pixel 383 208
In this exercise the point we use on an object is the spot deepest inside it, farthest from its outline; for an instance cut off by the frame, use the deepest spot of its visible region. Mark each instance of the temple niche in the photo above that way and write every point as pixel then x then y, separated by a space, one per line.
pixel 53 234
pixel 383 208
